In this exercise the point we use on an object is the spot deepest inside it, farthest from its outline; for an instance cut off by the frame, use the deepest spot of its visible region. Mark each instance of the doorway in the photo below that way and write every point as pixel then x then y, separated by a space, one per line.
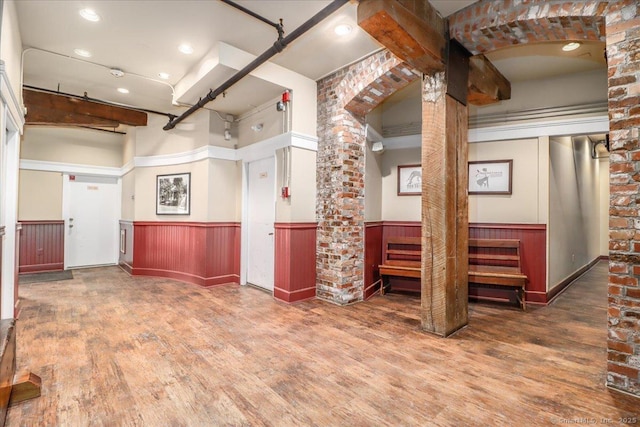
pixel 91 207
pixel 261 200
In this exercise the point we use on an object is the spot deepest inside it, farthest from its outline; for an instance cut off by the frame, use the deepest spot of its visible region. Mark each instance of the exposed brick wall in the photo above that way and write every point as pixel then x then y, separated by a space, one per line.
pixel 490 25
pixel 623 52
pixel 344 99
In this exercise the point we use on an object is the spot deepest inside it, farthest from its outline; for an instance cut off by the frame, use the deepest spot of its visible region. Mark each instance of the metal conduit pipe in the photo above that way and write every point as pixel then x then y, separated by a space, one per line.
pixel 277 47
pixel 278 27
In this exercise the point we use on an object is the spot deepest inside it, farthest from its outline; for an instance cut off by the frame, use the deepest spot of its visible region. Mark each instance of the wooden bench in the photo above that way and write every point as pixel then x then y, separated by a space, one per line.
pixel 497 262
pixel 401 257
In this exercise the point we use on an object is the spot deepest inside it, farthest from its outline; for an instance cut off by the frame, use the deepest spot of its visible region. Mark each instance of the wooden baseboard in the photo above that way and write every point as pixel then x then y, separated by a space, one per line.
pixel 563 285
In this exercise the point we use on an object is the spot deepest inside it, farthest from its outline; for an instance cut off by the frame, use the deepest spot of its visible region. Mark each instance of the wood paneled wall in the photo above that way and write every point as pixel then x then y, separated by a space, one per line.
pixel 533 238
pixel 41 246
pixel 295 261
pixel 373 232
pixel 205 254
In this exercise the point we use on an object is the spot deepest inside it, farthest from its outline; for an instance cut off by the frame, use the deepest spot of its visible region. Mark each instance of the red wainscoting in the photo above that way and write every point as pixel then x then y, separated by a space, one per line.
pixel 533 239
pixel 41 246
pixel 205 254
pixel 533 252
pixel 125 258
pixel 372 257
pixel 295 261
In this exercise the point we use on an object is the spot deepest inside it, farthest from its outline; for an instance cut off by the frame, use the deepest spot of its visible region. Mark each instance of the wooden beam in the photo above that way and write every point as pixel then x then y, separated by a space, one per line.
pixel 415 36
pixel 445 220
pixel 53 109
pixel 486 84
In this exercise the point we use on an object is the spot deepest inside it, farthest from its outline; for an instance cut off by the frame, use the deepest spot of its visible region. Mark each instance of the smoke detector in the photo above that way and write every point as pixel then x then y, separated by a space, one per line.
pixel 116 72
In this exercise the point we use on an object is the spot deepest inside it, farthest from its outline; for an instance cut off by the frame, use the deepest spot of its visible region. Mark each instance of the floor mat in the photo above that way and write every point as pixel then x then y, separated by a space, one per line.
pixel 50 276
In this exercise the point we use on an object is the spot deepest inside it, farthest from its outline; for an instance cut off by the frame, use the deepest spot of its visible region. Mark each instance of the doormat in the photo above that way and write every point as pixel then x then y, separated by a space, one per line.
pixel 48 276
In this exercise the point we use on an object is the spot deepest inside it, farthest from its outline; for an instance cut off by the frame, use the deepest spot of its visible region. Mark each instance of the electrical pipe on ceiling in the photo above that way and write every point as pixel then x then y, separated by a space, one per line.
pixel 278 27
pixel 277 47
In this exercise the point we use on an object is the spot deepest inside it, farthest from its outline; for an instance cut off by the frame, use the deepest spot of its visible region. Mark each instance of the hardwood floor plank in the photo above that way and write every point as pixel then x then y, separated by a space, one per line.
pixel 133 351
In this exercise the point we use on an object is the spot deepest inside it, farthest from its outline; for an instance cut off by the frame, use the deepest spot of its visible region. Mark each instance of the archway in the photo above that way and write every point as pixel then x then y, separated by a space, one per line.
pixel 344 99
pixel 490 25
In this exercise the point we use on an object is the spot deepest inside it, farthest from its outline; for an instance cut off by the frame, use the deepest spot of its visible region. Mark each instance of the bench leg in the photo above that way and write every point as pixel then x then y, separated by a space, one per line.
pixel 522 299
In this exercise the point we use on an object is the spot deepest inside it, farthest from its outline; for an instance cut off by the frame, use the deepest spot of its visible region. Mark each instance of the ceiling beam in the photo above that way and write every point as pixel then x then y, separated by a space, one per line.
pixel 415 32
pixel 61 110
pixel 486 84
pixel 417 40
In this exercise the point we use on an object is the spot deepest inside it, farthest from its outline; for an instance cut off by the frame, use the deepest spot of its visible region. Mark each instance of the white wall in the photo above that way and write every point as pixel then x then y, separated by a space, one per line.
pixel 72 145
pixel 574 208
pixel 604 206
pixel 145 191
pixel 527 203
pixel 394 207
pixel 373 201
pixel 272 122
pixel 188 135
pixel 222 190
pixel 40 196
pixel 575 89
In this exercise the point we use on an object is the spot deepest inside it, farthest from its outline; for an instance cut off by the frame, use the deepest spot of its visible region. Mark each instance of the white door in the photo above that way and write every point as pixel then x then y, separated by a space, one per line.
pixel 261 215
pixel 91 226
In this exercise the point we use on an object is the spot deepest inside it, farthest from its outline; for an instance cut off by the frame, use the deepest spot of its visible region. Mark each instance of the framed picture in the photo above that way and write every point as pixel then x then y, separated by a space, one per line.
pixel 173 194
pixel 409 180
pixel 490 177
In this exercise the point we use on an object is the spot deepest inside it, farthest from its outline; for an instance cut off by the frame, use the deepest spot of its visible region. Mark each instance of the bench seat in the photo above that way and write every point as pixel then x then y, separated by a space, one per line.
pixel 401 258
pixel 496 262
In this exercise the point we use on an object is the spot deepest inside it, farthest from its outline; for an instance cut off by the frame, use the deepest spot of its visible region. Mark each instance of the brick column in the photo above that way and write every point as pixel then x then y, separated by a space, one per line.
pixel 623 51
pixel 344 100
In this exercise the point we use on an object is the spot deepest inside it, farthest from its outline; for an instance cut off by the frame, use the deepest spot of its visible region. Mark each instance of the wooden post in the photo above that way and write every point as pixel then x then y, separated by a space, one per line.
pixel 445 220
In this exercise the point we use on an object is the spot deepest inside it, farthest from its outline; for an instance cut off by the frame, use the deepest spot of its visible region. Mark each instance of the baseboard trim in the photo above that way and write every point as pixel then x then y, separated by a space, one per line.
pixel 564 285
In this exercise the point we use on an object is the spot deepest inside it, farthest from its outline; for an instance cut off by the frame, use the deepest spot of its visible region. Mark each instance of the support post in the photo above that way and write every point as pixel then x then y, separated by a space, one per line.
pixel 445 218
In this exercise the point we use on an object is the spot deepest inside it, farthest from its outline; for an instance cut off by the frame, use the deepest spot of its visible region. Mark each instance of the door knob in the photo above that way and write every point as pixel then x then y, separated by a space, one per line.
pixel 270 234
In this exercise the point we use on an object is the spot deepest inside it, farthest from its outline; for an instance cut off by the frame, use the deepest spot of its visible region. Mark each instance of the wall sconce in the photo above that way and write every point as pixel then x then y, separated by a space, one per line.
pixel 377 147
pixel 600 148
pixel 257 127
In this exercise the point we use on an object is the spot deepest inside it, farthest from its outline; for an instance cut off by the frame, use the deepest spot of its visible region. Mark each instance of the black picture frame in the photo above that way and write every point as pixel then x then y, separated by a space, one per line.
pixel 173 194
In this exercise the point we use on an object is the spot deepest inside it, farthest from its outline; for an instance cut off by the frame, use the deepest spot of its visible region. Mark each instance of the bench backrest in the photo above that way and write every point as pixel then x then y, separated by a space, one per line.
pixel 405 251
pixel 497 252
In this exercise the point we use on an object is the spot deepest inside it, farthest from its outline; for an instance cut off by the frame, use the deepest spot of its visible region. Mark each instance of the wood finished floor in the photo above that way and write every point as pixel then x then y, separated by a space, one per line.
pixel 114 350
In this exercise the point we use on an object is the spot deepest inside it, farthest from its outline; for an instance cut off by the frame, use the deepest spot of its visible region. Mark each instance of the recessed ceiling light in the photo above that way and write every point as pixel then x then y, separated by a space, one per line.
pixel 342 29
pixel 89 15
pixel 186 49
pixel 123 90
pixel 82 52
pixel 570 46
pixel 163 76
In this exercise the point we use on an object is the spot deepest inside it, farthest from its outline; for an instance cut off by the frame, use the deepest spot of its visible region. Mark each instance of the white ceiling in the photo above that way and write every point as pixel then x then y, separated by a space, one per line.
pixel 141 37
